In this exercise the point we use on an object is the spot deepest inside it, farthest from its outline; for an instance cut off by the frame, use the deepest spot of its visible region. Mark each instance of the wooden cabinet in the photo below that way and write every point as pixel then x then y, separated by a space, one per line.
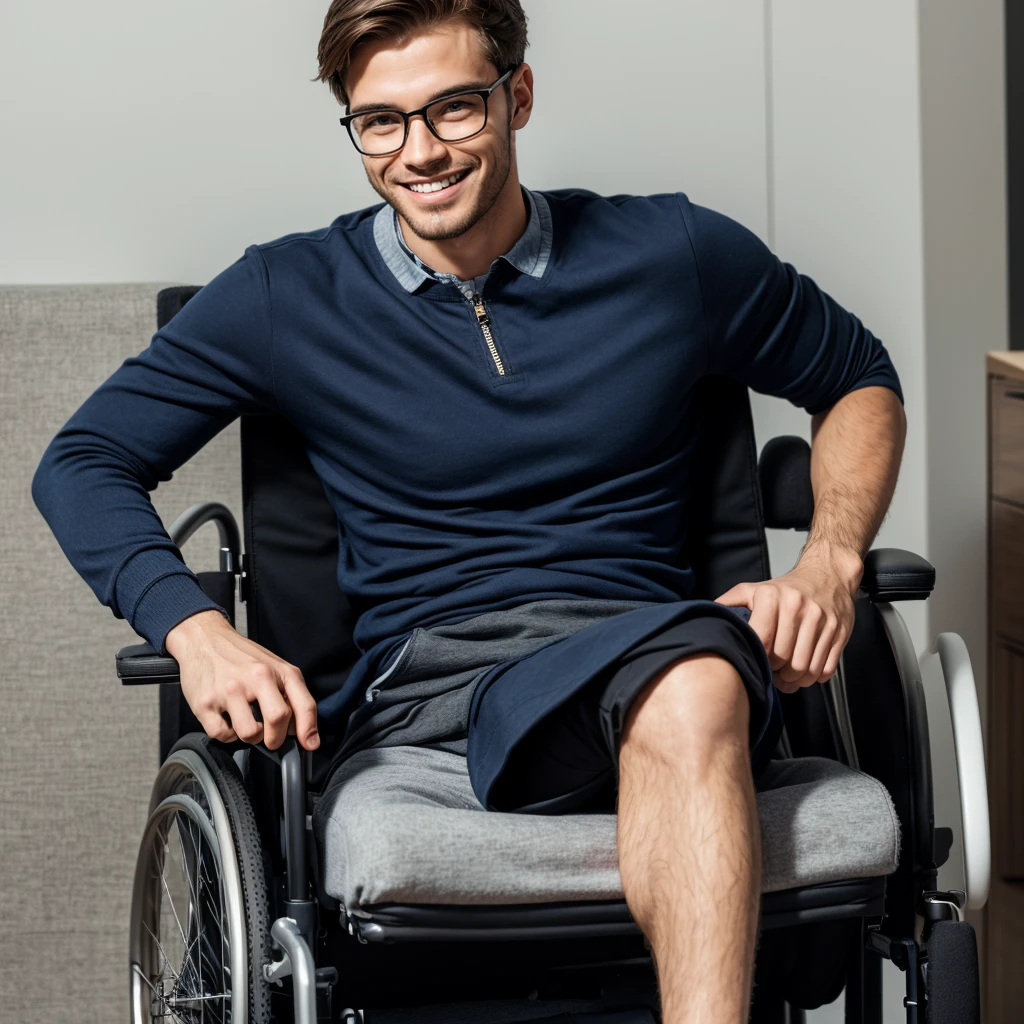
pixel 1005 954
pixel 1006 536
pixel 1006 762
pixel 1006 403
pixel 1004 928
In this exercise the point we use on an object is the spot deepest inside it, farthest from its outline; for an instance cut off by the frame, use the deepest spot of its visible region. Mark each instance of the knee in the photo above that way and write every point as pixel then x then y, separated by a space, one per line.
pixel 692 712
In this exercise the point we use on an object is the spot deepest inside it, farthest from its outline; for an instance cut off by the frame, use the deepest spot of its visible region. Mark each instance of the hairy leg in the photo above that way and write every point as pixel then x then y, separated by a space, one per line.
pixel 689 838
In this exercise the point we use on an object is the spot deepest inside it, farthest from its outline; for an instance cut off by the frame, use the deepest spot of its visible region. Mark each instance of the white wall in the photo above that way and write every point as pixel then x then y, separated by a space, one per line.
pixel 153 142
pixel 964 199
pixel 847 205
pixel 146 141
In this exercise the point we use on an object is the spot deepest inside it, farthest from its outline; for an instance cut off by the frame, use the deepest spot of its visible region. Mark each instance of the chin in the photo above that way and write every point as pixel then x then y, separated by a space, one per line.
pixel 437 226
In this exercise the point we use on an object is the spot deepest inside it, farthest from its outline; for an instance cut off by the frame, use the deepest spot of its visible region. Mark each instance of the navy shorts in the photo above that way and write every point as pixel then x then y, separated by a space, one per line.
pixel 536 695
pixel 568 762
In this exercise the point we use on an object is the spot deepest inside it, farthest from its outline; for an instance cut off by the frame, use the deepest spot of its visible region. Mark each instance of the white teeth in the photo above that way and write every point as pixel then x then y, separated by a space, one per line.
pixel 435 186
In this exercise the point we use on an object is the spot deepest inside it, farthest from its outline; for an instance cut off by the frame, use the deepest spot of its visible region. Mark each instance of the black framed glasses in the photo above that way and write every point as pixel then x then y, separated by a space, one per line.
pixel 452 118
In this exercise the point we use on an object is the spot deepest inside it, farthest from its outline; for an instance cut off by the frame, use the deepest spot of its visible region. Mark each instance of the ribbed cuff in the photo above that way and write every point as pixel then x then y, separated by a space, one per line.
pixel 156 591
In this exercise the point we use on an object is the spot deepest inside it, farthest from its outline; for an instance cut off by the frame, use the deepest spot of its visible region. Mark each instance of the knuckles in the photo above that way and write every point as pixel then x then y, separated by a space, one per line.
pixel 276 716
pixel 233 687
pixel 250 733
pixel 260 672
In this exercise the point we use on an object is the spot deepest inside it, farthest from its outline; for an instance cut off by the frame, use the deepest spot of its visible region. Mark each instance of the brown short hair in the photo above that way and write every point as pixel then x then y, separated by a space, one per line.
pixel 501 24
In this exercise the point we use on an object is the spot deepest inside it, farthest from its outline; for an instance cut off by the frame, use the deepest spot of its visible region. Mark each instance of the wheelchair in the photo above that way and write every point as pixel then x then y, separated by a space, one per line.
pixel 262 894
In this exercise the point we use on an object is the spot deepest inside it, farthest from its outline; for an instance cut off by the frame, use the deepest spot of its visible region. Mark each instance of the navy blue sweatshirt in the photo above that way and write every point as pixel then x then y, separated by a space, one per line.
pixel 534 447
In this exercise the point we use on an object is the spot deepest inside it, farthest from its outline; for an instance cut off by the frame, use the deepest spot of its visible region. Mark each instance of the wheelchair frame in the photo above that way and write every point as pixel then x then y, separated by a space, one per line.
pixel 294 932
pixel 884 732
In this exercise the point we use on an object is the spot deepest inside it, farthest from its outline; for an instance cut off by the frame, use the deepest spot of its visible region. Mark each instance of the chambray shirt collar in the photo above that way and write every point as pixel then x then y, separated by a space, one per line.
pixel 530 255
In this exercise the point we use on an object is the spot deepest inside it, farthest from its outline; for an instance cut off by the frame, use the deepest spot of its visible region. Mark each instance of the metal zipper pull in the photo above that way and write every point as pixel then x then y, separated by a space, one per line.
pixel 372 693
pixel 485 325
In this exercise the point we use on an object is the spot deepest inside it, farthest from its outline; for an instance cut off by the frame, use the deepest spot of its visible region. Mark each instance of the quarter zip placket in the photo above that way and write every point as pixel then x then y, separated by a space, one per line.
pixel 485 326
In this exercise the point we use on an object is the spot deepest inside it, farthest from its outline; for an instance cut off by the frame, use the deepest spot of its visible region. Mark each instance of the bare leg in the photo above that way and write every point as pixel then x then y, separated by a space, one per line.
pixel 689 838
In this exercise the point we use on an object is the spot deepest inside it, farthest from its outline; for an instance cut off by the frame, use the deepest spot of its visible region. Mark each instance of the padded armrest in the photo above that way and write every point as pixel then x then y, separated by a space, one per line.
pixel 139 663
pixel 891 574
pixel 784 476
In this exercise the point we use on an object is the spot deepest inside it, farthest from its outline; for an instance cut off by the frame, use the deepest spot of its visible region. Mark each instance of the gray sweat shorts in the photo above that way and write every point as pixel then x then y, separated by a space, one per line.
pixel 536 695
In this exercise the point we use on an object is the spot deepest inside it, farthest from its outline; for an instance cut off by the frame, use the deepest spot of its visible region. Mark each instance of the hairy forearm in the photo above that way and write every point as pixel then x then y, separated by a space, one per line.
pixel 855 459
pixel 805 617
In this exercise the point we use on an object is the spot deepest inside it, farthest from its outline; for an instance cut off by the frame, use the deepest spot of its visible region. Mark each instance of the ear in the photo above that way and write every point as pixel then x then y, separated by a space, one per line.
pixel 522 96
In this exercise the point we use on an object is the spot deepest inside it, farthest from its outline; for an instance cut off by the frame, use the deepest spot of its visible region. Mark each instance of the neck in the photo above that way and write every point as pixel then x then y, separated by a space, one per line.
pixel 473 252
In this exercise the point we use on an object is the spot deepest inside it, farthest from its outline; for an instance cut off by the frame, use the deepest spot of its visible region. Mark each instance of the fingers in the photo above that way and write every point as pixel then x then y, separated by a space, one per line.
pixel 802 625
pixel 764 621
pixel 286 706
pixel 834 654
pixel 782 685
pixel 274 709
pixel 739 596
pixel 806 626
pixel 803 640
pixel 826 641
pixel 251 699
pixel 242 719
pixel 216 726
pixel 303 707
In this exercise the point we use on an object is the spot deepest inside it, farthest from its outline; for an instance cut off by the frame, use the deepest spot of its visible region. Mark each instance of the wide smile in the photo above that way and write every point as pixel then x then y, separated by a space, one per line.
pixel 439 190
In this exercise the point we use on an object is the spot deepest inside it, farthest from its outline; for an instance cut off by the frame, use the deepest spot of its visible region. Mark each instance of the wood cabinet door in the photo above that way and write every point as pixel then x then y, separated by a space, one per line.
pixel 1006 760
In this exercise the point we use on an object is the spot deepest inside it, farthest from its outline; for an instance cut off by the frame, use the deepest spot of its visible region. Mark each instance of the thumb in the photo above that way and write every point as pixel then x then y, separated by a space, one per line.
pixel 740 596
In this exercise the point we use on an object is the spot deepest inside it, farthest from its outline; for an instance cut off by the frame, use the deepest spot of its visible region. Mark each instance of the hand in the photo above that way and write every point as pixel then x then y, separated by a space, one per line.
pixel 804 618
pixel 222 673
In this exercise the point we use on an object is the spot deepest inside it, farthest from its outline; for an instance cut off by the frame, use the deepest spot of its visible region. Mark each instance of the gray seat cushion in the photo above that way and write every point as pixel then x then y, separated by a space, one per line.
pixel 402 825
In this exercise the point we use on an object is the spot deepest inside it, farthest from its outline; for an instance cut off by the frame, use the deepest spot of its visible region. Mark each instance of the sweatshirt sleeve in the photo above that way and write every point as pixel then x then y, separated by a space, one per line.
pixel 209 364
pixel 773 329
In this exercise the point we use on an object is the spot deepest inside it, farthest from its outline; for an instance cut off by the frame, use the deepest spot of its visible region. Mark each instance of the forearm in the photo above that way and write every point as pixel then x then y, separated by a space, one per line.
pixel 206 366
pixel 91 495
pixel 855 459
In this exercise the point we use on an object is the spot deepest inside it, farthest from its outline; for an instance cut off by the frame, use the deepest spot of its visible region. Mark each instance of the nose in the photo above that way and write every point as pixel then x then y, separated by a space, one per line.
pixel 422 148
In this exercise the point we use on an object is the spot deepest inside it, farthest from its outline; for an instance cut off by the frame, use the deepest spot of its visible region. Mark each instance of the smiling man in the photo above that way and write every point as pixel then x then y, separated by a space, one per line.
pixel 496 388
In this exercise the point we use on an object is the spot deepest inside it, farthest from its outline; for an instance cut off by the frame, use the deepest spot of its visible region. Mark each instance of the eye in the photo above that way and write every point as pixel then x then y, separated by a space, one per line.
pixel 378 123
pixel 456 109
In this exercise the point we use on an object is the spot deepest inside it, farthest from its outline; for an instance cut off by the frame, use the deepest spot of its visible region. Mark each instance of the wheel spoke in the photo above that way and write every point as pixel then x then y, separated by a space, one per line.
pixel 174 911
pixel 190 912
pixel 163 956
pixel 193 880
pixel 198 987
pixel 194 977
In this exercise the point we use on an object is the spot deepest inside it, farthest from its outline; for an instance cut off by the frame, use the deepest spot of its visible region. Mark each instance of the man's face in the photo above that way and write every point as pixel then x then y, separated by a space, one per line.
pixel 406 76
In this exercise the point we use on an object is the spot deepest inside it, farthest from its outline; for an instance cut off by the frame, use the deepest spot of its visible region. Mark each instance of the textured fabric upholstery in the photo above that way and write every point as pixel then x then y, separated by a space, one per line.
pixel 402 825
pixel 79 751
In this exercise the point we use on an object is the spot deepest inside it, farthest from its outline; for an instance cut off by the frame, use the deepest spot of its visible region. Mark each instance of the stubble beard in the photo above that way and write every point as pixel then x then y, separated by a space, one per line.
pixel 436 227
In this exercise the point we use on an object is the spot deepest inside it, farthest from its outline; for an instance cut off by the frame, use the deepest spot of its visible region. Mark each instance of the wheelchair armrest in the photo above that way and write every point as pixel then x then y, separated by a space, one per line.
pixel 227 529
pixel 891 574
pixel 784 476
pixel 139 663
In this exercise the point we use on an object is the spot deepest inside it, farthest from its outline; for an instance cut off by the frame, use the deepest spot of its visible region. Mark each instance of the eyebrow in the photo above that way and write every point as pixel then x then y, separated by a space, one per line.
pixel 369 108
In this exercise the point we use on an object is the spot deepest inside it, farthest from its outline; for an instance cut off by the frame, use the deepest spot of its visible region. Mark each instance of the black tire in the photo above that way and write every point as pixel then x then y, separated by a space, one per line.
pixel 180 793
pixel 951 975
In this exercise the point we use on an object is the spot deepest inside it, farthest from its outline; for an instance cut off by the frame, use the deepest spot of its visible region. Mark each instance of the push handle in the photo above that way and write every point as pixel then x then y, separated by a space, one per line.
pixel 970 764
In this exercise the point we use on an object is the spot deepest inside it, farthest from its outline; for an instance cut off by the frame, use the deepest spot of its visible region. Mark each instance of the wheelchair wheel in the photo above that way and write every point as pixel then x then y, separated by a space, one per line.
pixel 200 929
pixel 951 975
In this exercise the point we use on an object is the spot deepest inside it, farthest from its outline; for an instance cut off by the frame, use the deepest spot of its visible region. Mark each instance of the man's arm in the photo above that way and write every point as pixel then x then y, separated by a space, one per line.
pixel 805 617
pixel 223 673
pixel 776 331
pixel 210 364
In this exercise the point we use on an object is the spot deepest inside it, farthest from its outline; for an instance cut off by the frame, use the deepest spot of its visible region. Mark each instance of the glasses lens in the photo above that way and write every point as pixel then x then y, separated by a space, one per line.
pixel 379 131
pixel 458 117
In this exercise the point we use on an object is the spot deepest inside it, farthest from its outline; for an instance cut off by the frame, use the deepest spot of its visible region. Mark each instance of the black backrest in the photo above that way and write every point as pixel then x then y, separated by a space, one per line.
pixel 294 605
